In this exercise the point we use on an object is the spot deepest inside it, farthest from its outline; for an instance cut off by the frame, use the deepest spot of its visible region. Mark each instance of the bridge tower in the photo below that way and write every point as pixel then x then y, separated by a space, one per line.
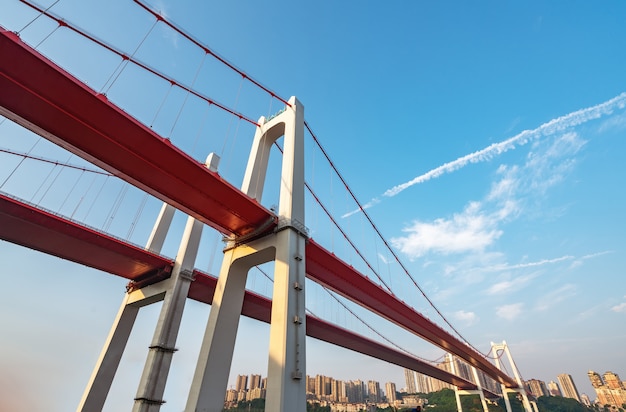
pixel 459 392
pixel 173 292
pixel 286 390
pixel 285 245
pixel 504 348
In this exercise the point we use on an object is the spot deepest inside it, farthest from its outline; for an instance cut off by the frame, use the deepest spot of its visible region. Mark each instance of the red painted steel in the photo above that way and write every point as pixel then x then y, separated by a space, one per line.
pixel 259 307
pixel 36 229
pixel 46 232
pixel 42 97
pixel 328 270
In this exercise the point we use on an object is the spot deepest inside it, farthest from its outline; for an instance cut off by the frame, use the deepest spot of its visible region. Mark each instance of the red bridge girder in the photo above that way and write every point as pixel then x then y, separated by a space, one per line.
pixel 37 229
pixel 44 98
pixel 46 232
pixel 47 100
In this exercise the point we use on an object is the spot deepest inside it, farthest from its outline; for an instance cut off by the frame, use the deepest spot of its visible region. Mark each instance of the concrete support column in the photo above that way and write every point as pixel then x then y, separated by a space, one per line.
pixel 210 379
pixel 99 384
pixel 154 377
pixel 483 401
pixel 458 393
pixel 102 377
pixel 286 375
pixel 287 370
pixel 503 347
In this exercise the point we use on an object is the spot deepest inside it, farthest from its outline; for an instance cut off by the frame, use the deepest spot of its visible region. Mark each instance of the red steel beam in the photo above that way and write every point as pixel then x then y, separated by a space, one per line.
pixel 34 228
pixel 259 307
pixel 44 98
pixel 37 229
pixel 326 269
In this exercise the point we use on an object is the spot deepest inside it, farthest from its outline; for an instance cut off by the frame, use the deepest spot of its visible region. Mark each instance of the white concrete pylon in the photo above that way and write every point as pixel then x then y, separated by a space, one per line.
pixel 101 379
pixel 174 293
pixel 458 392
pixel 286 391
pixel 503 347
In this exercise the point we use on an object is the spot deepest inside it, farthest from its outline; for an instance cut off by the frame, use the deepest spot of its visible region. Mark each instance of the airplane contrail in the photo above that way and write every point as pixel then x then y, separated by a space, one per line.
pixel 555 125
pixel 558 124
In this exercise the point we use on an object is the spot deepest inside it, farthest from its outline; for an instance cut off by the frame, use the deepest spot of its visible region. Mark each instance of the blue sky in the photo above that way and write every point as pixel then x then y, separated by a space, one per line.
pixel 487 141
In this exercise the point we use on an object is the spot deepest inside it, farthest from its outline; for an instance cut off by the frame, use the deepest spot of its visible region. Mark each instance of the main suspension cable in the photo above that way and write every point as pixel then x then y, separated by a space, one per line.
pixel 144 66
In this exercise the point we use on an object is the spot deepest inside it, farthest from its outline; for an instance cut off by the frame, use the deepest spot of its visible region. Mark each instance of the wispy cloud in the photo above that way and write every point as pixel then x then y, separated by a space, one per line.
pixel 614 123
pixel 507 286
pixel 556 296
pixel 621 308
pixel 525 265
pixel 479 225
pixel 553 126
pixel 579 261
pixel 556 125
pixel 509 312
pixel 469 318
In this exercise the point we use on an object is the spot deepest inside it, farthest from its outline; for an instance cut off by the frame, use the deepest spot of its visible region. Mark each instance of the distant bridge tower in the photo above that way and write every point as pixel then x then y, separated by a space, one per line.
pixel 503 347
pixel 458 392
pixel 286 388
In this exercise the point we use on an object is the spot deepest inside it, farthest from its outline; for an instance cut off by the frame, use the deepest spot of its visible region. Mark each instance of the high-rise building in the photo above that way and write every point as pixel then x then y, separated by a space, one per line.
pixel 319 385
pixel 568 388
pixel 596 379
pixel 610 390
pixel 355 391
pixel 255 381
pixel 335 390
pixel 487 382
pixel 585 400
pixel 553 388
pixel 409 378
pixel 423 383
pixel 373 391
pixel 612 380
pixel 342 392
pixel 310 384
pixel 390 391
pixel 536 387
pixel 241 385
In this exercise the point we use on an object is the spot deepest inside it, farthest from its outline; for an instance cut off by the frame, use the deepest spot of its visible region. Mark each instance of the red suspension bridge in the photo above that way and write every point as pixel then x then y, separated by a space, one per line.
pixel 42 97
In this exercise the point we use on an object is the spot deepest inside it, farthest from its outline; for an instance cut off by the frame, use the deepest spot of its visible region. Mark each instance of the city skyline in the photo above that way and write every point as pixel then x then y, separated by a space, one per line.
pixel 486 143
pixel 609 388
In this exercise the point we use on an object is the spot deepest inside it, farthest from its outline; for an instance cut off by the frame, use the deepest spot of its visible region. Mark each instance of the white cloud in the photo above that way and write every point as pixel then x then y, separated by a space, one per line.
pixel 469 318
pixel 552 127
pixel 615 123
pixel 547 166
pixel 509 312
pixel 579 261
pixel 529 264
pixel 383 258
pixel 511 285
pixel 621 308
pixel 556 296
pixel 471 230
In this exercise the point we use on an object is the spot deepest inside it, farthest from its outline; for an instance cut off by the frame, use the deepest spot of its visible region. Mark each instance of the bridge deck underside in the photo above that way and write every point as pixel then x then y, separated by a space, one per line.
pixel 37 229
pixel 45 99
